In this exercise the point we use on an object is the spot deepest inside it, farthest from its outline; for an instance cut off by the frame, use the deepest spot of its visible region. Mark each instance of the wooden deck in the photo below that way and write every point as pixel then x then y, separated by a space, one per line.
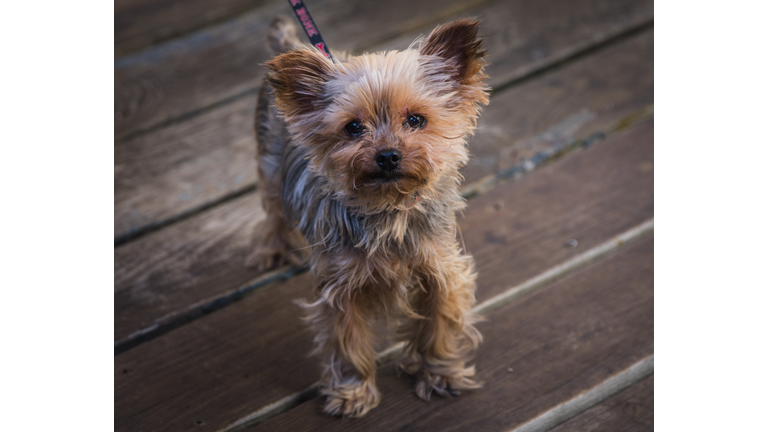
pixel 559 220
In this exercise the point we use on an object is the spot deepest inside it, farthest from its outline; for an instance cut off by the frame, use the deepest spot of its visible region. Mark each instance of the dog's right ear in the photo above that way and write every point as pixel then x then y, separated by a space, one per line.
pixel 458 43
pixel 299 78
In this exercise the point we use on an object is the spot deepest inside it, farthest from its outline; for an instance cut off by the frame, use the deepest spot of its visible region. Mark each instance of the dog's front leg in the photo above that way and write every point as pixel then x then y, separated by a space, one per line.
pixel 441 342
pixel 344 337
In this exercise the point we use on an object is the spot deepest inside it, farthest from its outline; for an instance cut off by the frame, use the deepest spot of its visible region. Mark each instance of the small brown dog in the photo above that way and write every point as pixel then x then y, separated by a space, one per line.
pixel 359 164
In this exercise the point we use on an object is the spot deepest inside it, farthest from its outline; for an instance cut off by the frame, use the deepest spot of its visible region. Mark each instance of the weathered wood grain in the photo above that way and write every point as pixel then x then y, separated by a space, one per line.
pixel 171 270
pixel 229 364
pixel 185 75
pixel 184 264
pixel 186 166
pixel 218 367
pixel 629 410
pixel 208 66
pixel 583 97
pixel 139 23
pixel 536 354
pixel 610 189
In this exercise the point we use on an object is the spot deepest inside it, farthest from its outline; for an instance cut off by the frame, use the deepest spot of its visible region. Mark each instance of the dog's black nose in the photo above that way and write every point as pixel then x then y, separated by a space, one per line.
pixel 388 159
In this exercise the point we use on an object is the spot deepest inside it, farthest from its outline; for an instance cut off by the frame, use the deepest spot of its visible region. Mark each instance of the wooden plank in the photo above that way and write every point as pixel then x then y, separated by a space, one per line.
pixel 190 165
pixel 184 167
pixel 229 364
pixel 162 273
pixel 536 354
pixel 536 220
pixel 184 264
pixel 139 23
pixel 197 71
pixel 205 374
pixel 629 410
pixel 189 73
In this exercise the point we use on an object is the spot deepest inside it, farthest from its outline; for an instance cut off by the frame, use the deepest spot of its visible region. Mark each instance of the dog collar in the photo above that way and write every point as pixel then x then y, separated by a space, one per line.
pixel 414 200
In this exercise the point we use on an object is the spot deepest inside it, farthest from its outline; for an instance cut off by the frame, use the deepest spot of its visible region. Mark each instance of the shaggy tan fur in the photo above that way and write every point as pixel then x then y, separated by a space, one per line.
pixel 378 243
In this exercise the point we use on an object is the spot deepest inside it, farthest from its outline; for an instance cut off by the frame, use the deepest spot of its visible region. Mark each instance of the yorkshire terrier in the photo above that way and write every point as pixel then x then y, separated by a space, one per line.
pixel 358 166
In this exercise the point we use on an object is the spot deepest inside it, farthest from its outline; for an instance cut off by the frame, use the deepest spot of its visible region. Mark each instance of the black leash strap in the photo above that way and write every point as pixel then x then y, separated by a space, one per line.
pixel 309 27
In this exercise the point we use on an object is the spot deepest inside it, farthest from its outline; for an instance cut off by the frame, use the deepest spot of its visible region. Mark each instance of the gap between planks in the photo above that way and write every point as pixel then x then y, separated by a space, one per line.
pixel 174 320
pixel 575 55
pixel 586 400
pixel 126 49
pixel 440 16
pixel 135 233
pixel 545 421
pixel 138 232
pixel 177 319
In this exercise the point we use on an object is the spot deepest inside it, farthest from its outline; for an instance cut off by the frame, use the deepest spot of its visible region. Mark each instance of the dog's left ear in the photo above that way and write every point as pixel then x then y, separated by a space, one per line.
pixel 458 43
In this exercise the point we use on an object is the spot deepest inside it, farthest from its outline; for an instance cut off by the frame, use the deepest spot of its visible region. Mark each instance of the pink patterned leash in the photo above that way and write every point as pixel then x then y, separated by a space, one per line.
pixel 309 27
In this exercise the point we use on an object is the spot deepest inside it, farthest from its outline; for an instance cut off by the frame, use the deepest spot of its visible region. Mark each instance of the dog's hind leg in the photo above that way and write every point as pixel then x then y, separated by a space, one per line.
pixel 279 242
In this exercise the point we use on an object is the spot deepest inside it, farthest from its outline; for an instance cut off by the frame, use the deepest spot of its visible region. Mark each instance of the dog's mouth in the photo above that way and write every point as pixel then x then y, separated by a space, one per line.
pixel 396 188
pixel 394 177
pixel 387 176
pixel 390 191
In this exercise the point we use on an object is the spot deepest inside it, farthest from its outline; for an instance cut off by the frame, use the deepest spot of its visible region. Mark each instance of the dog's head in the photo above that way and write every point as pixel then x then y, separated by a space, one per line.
pixel 382 128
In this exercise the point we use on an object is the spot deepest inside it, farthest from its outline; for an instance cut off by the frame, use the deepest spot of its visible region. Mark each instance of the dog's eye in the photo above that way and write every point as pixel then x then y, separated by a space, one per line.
pixel 354 128
pixel 415 121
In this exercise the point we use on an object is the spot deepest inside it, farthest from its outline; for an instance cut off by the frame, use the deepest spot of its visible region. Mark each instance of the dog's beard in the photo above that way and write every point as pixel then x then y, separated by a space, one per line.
pixel 385 191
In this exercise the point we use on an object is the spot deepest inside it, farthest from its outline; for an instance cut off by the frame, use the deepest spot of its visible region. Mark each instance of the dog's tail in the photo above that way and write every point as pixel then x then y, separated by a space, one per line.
pixel 282 35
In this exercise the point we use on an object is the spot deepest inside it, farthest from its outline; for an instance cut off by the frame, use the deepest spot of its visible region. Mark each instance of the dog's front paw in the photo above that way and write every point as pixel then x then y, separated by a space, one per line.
pixel 351 401
pixel 448 382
